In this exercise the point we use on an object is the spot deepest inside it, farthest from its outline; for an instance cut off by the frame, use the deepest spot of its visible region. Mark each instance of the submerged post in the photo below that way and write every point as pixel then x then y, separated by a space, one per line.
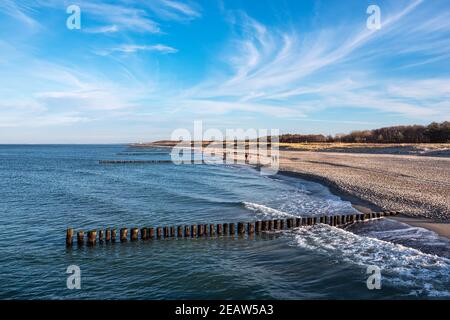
pixel 100 236
pixel 212 229
pixel 92 237
pixel 108 235
pixel 241 228
pixel 69 237
pixel 134 234
pixel 80 237
pixel 193 231
pixel 201 230
pixel 258 226
pixel 143 233
pixel 219 229
pixel 187 231
pixel 159 232
pixel 225 229
pixel 123 234
pixel 251 228
pixel 113 235
pixel 151 233
pixel 180 232
pixel 232 229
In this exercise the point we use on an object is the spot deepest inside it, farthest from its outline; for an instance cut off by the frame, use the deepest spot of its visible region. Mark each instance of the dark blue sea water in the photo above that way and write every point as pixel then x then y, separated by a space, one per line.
pixel 45 189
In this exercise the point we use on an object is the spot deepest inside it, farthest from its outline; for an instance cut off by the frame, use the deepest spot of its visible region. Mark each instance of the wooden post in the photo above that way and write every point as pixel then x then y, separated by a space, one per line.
pixel 212 230
pixel 264 226
pixel 225 229
pixel 151 233
pixel 277 224
pixel 69 237
pixel 144 233
pixel 200 230
pixel 187 231
pixel 108 235
pixel 180 232
pixel 298 222
pixel 172 232
pixel 258 226
pixel 134 234
pixel 92 237
pixel 123 234
pixel 321 219
pixel 113 235
pixel 219 229
pixel 251 228
pixel 232 229
pixel 282 224
pixel 80 237
pixel 271 225
pixel 100 236
pixel 166 232
pixel 205 229
pixel 194 231
pixel 314 220
pixel 289 223
pixel 159 232
pixel 241 228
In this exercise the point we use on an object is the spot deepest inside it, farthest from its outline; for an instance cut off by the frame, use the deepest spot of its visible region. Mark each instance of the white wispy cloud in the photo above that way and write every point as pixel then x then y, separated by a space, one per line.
pixel 132 48
pixel 20 11
pixel 104 29
pixel 174 10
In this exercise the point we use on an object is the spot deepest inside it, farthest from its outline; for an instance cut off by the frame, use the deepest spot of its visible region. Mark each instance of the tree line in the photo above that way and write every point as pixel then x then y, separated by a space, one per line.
pixel 433 133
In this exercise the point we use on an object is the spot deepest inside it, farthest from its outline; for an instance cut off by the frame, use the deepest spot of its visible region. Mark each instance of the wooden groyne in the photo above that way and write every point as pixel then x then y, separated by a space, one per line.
pixel 109 235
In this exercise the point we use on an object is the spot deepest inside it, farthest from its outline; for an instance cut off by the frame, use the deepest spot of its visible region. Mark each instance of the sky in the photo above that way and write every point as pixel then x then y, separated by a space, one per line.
pixel 138 70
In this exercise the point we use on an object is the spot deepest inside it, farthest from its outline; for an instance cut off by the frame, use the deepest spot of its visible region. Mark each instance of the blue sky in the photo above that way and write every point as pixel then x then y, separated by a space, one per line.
pixel 137 70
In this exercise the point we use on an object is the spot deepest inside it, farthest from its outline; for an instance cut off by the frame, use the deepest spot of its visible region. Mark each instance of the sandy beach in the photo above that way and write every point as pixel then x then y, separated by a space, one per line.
pixel 417 186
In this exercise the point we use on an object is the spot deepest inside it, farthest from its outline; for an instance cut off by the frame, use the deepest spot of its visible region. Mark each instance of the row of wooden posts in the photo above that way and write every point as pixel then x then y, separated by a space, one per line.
pixel 211 230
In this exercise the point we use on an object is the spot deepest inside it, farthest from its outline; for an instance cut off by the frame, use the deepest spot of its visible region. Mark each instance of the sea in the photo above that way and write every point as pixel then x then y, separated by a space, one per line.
pixel 45 189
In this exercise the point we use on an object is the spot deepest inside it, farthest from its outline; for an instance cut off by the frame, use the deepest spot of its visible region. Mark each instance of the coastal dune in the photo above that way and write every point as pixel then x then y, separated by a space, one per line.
pixel 417 186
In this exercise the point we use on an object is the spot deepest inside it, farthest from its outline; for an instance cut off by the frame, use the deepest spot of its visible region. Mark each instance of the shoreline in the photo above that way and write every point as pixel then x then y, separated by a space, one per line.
pixel 439 227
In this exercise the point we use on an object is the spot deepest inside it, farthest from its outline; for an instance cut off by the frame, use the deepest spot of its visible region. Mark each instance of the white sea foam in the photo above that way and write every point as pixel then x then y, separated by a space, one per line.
pixel 265 211
pixel 418 273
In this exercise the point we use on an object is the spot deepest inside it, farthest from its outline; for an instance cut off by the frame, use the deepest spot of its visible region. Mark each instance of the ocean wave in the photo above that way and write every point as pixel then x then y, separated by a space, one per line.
pixel 402 267
pixel 263 210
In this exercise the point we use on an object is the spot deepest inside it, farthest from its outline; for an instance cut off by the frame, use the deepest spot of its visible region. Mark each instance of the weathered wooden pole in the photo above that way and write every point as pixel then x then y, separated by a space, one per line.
pixel 123 234
pixel 179 232
pixel 251 228
pixel 144 233
pixel 271 225
pixel 69 237
pixel 219 229
pixel 172 232
pixel 92 237
pixel 277 224
pixel 205 229
pixel 264 225
pixel 108 235
pixel 225 229
pixel 134 235
pixel 232 229
pixel 289 223
pixel 113 234
pixel 187 231
pixel 241 228
pixel 298 222
pixel 194 231
pixel 200 230
pixel 80 237
pixel 159 232
pixel 100 236
pixel 212 230
pixel 151 233
pixel 258 226
pixel 282 224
